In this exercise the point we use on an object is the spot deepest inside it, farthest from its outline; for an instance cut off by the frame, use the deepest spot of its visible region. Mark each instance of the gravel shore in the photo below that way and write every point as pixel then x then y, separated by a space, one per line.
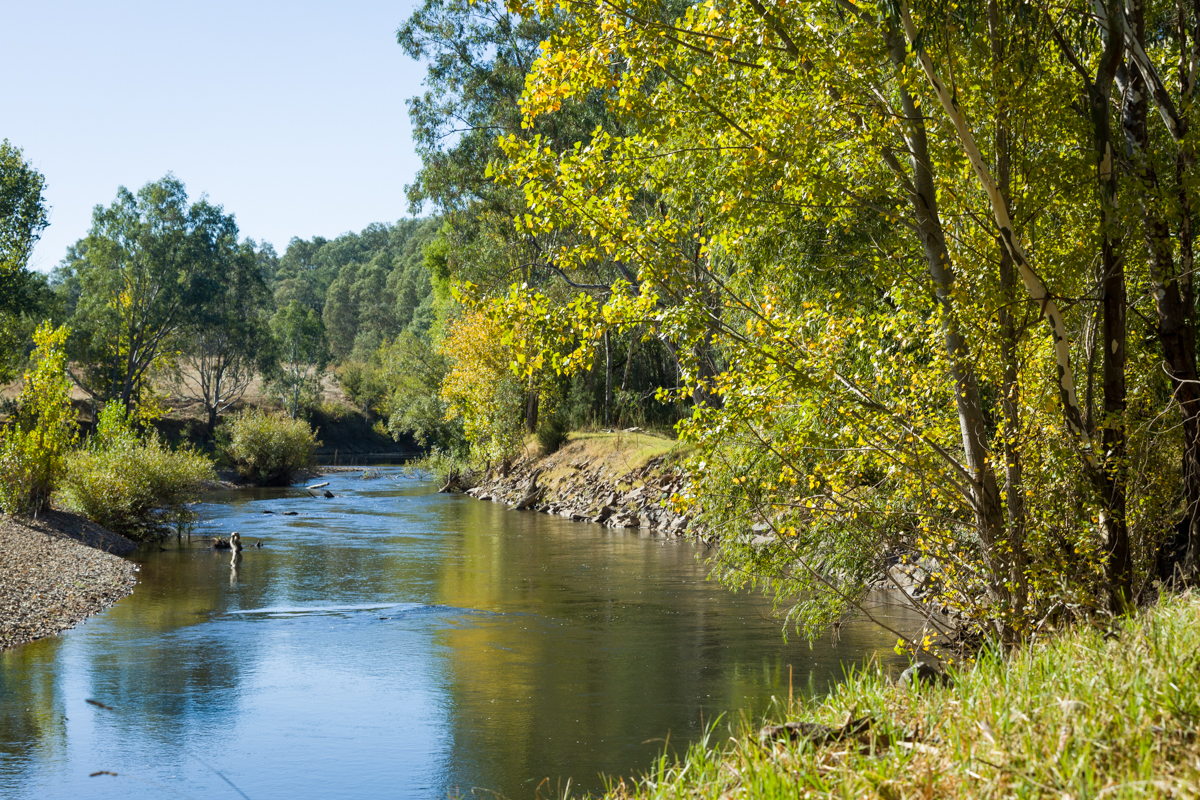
pixel 55 571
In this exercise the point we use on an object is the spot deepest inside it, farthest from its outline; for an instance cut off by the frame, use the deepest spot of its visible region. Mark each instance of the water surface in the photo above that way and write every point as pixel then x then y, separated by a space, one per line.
pixel 394 642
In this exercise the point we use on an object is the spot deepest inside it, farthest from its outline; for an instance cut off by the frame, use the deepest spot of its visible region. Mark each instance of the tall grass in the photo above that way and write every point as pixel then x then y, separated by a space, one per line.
pixel 1095 714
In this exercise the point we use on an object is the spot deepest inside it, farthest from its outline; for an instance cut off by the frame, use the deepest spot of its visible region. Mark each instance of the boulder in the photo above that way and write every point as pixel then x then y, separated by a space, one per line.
pixel 923 673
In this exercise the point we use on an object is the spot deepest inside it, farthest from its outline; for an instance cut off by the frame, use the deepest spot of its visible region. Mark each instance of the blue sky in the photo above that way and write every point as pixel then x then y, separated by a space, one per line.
pixel 291 115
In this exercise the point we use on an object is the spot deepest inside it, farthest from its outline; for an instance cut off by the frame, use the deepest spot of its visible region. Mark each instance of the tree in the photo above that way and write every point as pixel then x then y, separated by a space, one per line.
pixel 34 444
pixel 300 344
pixel 147 265
pixel 479 56
pixel 24 297
pixel 919 329
pixel 22 219
pixel 228 340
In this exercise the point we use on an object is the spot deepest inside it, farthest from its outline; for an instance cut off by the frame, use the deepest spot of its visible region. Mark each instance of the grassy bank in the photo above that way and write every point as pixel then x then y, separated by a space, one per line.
pixel 1093 714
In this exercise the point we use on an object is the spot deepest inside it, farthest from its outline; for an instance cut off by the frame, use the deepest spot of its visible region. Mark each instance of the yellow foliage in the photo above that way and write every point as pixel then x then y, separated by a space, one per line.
pixel 480 386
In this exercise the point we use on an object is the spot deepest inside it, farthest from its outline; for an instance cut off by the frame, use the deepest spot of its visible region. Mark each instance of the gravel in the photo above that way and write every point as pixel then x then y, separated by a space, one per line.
pixel 56 571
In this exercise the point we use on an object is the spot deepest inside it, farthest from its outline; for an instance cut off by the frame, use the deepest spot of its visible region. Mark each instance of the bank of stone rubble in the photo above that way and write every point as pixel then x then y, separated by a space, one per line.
pixel 573 483
pixel 56 571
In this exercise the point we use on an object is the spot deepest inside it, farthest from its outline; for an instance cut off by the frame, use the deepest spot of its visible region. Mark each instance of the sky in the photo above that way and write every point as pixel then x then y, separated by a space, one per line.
pixel 291 115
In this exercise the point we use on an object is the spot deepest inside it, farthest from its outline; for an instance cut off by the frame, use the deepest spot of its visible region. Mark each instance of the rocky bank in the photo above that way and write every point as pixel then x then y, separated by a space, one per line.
pixel 619 481
pixel 56 571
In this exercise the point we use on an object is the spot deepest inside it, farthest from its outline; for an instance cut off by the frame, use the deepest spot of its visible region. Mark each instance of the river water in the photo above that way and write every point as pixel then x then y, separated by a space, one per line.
pixel 394 642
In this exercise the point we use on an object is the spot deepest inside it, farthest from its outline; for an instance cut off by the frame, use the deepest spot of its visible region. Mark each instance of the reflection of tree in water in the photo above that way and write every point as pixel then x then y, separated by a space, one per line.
pixel 636 644
pixel 601 641
pixel 31 710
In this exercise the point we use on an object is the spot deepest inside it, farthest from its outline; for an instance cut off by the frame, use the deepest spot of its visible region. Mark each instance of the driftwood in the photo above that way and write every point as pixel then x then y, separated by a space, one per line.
pixel 531 497
pixel 814 732
pixel 533 493
pixel 234 542
pixel 453 483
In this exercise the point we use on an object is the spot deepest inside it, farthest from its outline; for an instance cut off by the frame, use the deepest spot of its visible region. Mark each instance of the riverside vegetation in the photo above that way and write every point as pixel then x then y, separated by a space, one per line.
pixel 910 282
pixel 1095 713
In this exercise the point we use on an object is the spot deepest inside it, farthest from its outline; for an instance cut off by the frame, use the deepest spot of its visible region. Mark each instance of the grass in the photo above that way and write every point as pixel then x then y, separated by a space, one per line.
pixel 1093 714
pixel 623 451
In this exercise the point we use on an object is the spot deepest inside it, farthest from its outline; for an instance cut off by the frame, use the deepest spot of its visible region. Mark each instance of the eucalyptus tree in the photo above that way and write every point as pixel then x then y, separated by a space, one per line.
pixel 22 219
pixel 226 341
pixel 23 295
pixel 479 54
pixel 302 356
pixel 148 264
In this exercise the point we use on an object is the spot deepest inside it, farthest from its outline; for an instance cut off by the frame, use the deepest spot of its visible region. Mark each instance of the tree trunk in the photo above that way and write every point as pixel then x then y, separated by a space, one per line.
pixel 1010 389
pixel 1107 486
pixel 985 493
pixel 1175 331
pixel 531 409
pixel 608 376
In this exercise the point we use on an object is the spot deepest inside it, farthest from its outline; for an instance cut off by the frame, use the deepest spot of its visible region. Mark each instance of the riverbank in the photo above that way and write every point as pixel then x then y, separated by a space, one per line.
pixel 1096 713
pixel 621 479
pixel 56 571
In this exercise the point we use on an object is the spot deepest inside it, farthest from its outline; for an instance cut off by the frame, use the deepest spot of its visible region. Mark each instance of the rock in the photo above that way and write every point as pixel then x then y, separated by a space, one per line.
pixel 762 541
pixel 328 494
pixel 923 673
pixel 268 512
pixel 605 512
pixel 290 513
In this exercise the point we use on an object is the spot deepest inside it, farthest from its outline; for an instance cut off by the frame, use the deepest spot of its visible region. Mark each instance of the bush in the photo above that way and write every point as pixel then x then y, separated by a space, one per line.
pixel 136 487
pixel 269 449
pixel 552 434
pixel 34 445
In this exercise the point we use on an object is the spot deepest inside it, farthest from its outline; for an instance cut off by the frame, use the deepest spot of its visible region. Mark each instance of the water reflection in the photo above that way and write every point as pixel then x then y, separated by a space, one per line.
pixel 393 642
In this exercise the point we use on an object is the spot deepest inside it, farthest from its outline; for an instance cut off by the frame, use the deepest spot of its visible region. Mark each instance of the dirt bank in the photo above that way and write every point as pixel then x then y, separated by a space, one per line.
pixel 619 480
pixel 55 572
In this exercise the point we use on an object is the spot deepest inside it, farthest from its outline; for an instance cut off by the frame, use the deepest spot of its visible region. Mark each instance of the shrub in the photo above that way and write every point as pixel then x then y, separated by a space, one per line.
pixel 269 449
pixel 34 445
pixel 137 487
pixel 552 434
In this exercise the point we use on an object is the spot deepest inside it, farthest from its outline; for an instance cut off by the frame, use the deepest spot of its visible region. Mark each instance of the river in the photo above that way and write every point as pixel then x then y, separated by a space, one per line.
pixel 394 642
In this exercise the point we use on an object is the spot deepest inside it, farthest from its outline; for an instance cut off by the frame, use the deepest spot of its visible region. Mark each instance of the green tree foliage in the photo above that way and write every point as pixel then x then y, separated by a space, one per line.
pixel 479 55
pixel 303 356
pixel 227 340
pixel 24 297
pixel 22 219
pixel 412 370
pixel 35 442
pixel 147 266
pixel 367 286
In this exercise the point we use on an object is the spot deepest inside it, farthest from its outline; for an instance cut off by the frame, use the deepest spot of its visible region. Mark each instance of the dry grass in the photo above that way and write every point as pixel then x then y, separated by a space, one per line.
pixel 620 452
pixel 1095 714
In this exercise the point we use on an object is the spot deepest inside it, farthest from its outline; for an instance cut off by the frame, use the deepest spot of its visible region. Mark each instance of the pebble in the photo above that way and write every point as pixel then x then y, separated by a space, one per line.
pixel 56 571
